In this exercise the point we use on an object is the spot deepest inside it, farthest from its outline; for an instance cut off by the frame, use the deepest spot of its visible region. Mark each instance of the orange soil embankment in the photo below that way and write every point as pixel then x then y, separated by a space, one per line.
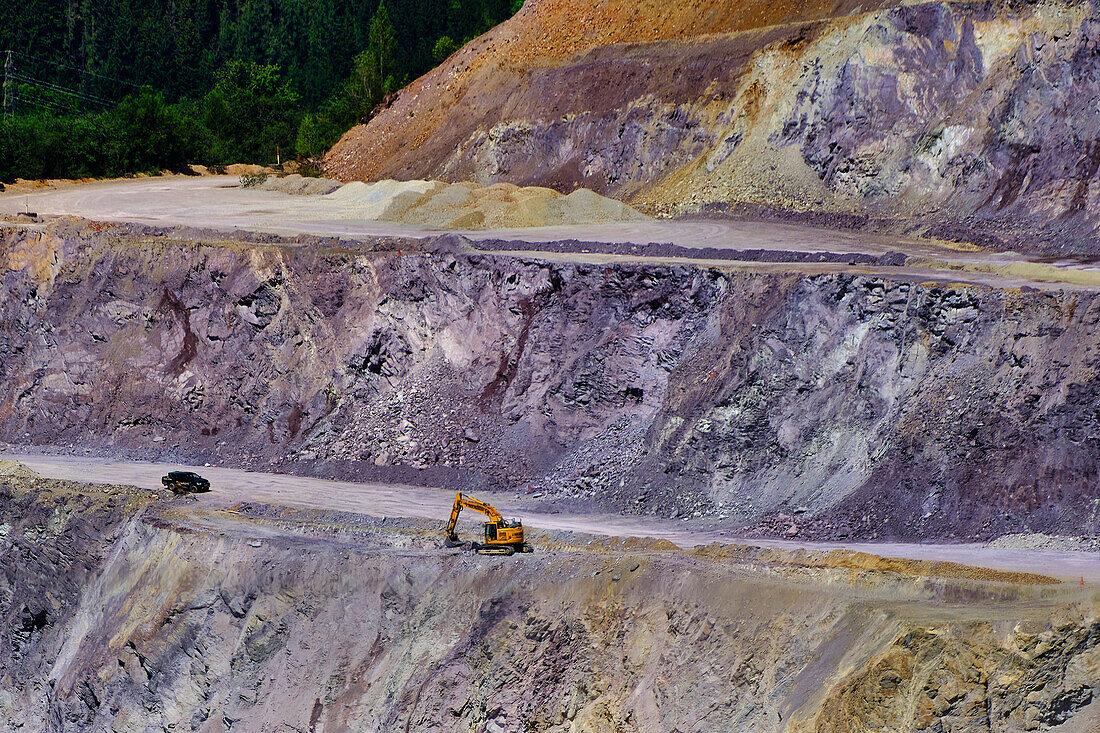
pixel 478 80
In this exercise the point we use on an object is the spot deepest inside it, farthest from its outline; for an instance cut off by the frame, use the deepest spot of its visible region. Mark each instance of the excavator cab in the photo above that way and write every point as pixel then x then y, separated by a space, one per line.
pixel 506 532
pixel 502 537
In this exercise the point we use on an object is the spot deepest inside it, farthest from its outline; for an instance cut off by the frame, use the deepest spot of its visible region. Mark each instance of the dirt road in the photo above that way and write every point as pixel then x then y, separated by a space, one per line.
pixel 218 202
pixel 232 486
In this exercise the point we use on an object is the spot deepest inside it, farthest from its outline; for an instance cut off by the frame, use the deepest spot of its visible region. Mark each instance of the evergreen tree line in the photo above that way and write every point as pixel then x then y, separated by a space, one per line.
pixel 210 81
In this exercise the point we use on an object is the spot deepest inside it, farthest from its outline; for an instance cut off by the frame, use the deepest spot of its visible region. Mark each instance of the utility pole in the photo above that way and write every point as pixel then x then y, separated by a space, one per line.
pixel 8 101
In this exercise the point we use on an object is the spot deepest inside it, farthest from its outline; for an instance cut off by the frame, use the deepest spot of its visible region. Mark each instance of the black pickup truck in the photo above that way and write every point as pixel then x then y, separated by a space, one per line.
pixel 185 482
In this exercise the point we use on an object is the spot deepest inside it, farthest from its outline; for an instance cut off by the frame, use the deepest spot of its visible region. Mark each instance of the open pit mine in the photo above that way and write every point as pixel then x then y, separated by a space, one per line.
pixel 777 326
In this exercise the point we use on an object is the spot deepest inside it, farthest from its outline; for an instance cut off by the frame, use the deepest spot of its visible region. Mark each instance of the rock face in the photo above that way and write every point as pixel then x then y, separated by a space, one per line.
pixel 816 405
pixel 972 120
pixel 54 540
pixel 337 622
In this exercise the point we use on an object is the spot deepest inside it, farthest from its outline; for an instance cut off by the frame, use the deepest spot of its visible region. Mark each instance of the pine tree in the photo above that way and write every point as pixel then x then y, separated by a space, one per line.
pixel 381 44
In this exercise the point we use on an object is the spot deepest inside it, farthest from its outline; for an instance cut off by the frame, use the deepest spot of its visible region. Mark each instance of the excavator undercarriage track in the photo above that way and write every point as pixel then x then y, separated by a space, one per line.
pixel 496 551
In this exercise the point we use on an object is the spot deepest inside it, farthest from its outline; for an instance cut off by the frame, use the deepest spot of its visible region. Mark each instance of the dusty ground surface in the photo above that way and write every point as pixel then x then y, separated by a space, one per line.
pixel 946 117
pixel 130 611
pixel 219 203
pixel 233 486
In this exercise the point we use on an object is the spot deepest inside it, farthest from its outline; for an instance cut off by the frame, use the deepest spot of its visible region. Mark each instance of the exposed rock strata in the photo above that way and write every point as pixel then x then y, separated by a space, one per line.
pixel 974 120
pixel 261 617
pixel 838 405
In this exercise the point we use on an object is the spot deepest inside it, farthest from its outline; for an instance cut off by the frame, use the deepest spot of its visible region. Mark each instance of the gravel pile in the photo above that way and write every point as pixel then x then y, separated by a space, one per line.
pixel 16 469
pixel 1040 541
pixel 438 205
pixel 297 185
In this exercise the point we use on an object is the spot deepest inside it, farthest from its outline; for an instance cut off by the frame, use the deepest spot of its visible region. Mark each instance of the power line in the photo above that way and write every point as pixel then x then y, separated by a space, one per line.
pixel 56 107
pixel 48 95
pixel 31 105
pixel 50 104
pixel 60 89
pixel 47 92
pixel 87 97
pixel 75 68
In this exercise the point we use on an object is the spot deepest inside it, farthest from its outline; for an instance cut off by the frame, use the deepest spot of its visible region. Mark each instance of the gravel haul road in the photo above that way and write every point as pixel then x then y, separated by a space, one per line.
pixel 220 203
pixel 232 486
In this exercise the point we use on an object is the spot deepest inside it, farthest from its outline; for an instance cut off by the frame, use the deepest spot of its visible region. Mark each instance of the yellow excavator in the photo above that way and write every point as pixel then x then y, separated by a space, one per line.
pixel 501 537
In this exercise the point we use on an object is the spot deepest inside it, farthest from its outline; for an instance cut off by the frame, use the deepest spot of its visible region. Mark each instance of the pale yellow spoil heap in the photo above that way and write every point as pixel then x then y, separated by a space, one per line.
pixel 438 205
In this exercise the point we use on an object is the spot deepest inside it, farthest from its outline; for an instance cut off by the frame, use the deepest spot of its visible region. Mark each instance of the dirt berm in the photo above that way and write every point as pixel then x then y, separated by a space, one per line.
pixel 128 612
pixel 970 120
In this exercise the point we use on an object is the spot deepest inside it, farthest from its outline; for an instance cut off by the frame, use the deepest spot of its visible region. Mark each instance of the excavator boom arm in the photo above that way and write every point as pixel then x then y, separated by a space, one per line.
pixel 470 503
